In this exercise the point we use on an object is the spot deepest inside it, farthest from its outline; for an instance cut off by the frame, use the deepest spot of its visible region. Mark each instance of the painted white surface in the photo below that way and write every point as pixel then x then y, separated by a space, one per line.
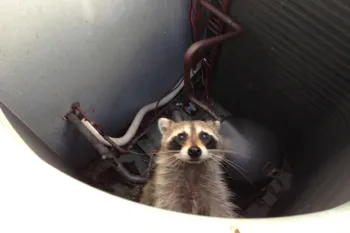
pixel 113 56
pixel 36 197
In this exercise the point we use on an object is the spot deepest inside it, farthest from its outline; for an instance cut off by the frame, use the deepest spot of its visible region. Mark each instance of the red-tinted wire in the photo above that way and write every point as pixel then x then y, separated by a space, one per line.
pixel 191 13
pixel 207 83
pixel 191 17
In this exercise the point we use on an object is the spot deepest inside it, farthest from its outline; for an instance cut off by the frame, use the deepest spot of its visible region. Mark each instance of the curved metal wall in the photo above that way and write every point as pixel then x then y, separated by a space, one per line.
pixel 113 56
pixel 289 69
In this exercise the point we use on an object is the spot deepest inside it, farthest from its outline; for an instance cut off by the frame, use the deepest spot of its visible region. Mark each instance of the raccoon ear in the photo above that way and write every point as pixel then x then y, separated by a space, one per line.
pixel 217 124
pixel 163 124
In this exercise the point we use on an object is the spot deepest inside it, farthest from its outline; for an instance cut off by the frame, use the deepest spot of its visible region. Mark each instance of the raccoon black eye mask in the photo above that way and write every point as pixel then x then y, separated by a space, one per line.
pixel 190 141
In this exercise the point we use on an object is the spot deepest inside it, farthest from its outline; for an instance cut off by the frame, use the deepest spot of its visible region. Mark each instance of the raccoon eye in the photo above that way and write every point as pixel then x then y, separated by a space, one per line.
pixel 205 137
pixel 181 137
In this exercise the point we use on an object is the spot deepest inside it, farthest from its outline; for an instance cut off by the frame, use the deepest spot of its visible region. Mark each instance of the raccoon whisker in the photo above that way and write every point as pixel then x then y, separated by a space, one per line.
pixel 220 164
pixel 235 164
pixel 236 167
pixel 223 150
pixel 168 160
pixel 168 152
pixel 214 158
pixel 172 164
pixel 244 175
pixel 225 168
pixel 209 163
pixel 228 152
pixel 173 161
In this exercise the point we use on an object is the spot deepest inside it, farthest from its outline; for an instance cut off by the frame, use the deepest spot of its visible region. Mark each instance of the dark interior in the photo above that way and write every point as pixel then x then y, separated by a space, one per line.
pixel 287 70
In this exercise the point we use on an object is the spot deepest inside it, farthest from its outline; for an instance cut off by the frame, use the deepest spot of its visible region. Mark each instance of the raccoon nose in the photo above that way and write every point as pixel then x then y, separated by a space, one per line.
pixel 194 152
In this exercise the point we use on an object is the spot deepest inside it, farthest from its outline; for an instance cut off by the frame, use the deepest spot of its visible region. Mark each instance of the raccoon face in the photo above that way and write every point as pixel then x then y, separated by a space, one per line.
pixel 190 141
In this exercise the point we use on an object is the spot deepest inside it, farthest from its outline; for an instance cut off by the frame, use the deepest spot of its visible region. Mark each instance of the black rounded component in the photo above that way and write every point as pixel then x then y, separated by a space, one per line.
pixel 250 146
pixel 175 110
pixel 194 152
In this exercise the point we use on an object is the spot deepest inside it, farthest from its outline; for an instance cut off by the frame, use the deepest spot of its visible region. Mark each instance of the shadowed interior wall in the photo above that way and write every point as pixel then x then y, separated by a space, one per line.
pixel 113 56
pixel 289 70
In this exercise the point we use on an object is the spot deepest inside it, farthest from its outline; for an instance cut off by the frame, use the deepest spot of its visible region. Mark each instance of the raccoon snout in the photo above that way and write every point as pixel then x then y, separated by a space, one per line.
pixel 194 152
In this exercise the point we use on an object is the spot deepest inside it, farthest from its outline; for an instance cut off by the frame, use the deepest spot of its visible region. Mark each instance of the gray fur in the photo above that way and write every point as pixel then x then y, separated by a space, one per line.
pixel 185 187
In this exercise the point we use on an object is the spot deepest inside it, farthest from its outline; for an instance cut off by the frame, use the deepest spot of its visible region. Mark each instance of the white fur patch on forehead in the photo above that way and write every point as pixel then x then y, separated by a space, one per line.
pixel 187 130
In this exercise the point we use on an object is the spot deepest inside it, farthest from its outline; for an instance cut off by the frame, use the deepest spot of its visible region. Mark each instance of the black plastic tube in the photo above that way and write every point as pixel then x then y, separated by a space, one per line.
pixel 105 152
pixel 175 112
pixel 176 115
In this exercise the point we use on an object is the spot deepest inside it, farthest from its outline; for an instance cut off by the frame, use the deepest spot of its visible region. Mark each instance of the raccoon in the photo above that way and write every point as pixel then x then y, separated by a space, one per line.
pixel 188 177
